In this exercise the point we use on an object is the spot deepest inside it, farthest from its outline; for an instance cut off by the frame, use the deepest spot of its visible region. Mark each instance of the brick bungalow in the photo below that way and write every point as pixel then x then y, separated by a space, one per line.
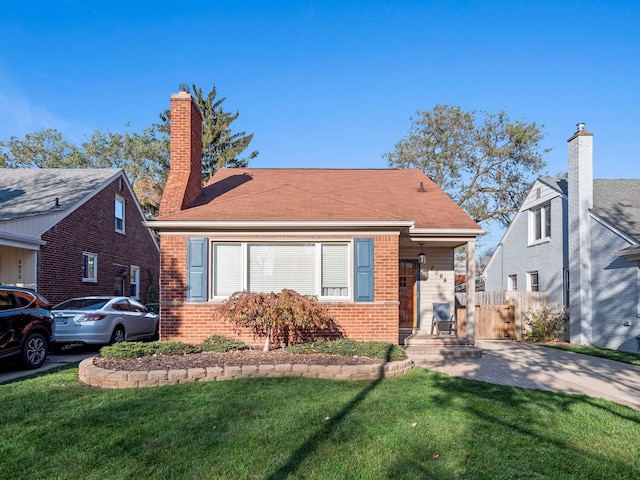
pixel 75 232
pixel 351 237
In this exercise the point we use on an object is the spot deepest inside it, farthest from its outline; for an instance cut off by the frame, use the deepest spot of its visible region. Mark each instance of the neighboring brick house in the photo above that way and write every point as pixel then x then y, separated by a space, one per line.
pixel 579 240
pixel 350 237
pixel 75 232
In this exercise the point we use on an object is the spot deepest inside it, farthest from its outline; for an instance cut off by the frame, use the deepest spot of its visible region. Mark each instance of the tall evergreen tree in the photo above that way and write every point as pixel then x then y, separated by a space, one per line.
pixel 220 147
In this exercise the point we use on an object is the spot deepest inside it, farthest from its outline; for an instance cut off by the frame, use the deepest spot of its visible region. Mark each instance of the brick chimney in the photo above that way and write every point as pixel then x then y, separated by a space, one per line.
pixel 580 204
pixel 184 182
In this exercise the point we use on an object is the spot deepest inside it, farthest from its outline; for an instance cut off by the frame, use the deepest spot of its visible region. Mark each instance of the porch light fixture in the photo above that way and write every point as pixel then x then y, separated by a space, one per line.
pixel 422 257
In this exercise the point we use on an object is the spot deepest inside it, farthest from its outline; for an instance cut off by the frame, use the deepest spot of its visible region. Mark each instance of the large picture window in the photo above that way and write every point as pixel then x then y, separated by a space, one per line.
pixel 320 269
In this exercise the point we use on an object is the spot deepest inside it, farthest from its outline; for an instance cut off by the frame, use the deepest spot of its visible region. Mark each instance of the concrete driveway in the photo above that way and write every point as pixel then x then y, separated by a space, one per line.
pixel 532 366
pixel 11 369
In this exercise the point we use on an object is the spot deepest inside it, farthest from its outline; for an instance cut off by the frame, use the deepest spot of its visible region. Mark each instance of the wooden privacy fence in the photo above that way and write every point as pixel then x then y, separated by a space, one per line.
pixel 500 315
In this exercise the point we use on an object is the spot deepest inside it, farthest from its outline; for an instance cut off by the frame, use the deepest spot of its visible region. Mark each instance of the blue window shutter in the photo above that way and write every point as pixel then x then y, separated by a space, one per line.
pixel 196 270
pixel 363 269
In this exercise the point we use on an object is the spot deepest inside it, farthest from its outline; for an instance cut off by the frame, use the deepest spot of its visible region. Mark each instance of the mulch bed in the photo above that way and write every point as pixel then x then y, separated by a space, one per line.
pixel 236 358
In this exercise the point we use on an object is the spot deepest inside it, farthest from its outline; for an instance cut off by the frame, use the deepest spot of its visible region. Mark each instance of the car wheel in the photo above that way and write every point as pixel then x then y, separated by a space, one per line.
pixel 34 350
pixel 118 335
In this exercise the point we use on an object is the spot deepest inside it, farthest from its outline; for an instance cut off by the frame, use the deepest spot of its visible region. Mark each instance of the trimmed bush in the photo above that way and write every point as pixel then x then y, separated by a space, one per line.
pixel 351 348
pixel 222 344
pixel 119 351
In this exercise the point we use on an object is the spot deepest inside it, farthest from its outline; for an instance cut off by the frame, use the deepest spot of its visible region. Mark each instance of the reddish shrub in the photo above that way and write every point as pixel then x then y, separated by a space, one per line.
pixel 285 317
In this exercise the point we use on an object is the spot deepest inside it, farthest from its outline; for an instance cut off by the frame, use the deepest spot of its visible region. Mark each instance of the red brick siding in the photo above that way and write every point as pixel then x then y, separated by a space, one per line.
pixel 184 183
pixel 91 228
pixel 192 322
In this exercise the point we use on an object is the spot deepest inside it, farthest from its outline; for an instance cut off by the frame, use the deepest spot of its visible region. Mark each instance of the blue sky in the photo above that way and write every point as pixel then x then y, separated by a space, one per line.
pixel 328 83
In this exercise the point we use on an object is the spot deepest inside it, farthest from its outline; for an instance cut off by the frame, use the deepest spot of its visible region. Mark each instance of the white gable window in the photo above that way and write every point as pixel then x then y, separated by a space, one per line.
pixel 319 269
pixel 89 267
pixel 119 214
pixel 512 283
pixel 540 223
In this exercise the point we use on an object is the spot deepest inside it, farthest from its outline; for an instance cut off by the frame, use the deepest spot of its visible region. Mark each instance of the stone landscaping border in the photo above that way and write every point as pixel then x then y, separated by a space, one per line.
pixel 103 378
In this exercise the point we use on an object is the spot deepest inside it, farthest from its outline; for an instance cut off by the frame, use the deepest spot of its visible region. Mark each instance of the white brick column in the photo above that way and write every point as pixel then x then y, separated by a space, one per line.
pixel 580 205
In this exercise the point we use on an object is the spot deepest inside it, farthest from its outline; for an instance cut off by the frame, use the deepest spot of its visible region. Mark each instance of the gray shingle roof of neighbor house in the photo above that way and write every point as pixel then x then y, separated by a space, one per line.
pixel 615 200
pixel 618 202
pixel 28 192
pixel 559 184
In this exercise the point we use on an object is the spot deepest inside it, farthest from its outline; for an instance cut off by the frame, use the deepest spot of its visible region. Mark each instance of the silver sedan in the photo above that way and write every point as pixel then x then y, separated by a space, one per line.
pixel 103 320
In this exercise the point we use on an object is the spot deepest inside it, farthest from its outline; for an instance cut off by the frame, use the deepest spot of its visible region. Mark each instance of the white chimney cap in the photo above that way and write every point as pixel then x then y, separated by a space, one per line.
pixel 580 126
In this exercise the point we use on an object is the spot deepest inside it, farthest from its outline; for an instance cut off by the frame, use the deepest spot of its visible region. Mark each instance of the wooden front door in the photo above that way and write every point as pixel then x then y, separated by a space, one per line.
pixel 407 293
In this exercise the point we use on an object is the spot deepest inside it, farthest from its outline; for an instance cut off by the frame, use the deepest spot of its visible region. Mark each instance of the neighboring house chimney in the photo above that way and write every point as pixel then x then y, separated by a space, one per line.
pixel 580 204
pixel 184 183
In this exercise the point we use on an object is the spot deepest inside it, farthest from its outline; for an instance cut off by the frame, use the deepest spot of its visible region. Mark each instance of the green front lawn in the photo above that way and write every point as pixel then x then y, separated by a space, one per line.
pixel 421 425
pixel 616 355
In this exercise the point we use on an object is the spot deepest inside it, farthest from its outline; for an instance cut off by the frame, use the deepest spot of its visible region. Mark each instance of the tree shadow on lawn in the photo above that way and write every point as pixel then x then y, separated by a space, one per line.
pixel 521 433
pixel 514 427
pixel 311 444
pixel 506 433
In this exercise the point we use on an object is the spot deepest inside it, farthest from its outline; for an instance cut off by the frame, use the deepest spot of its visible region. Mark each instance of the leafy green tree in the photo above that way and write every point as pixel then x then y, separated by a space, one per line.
pixel 43 149
pixel 220 147
pixel 485 162
pixel 143 156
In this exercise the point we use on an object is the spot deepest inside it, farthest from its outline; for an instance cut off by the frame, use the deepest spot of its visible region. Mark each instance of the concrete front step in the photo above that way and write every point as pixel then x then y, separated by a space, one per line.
pixel 434 340
pixel 426 354
pixel 421 347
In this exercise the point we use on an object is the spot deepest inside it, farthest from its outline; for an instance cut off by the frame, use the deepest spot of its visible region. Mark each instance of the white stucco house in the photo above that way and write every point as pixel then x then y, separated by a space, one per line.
pixel 579 240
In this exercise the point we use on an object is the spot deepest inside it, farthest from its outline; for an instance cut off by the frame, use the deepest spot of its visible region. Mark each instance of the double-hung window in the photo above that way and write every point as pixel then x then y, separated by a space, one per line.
pixel 540 223
pixel 533 282
pixel 319 269
pixel 134 282
pixel 119 214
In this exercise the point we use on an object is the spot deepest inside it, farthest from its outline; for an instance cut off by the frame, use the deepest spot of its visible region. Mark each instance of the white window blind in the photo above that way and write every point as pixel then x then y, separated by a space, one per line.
pixel 335 270
pixel 227 259
pixel 274 267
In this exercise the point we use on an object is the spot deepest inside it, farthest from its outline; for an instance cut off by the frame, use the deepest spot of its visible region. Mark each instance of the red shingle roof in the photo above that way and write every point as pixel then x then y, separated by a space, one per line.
pixel 340 195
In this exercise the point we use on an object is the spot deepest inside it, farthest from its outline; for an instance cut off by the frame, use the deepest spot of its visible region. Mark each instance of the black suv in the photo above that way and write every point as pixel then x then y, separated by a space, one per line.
pixel 26 325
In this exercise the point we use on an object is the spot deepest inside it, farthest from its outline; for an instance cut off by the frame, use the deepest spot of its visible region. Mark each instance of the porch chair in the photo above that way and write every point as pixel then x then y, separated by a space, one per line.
pixel 443 320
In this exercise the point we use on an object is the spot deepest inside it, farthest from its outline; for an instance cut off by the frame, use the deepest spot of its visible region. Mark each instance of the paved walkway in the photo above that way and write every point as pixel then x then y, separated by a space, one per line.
pixel 11 369
pixel 530 366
